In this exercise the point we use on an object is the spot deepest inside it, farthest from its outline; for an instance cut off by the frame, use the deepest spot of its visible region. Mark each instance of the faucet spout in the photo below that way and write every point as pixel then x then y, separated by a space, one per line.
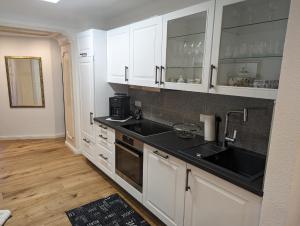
pixel 227 139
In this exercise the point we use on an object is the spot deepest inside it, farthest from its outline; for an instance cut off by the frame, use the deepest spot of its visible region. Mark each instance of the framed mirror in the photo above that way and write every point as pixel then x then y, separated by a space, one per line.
pixel 25 82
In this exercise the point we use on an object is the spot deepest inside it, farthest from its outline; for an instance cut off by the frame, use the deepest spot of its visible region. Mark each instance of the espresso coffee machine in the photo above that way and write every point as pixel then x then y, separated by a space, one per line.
pixel 119 106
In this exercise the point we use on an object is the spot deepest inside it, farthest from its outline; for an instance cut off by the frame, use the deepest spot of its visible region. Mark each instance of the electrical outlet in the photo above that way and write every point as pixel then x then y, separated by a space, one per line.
pixel 138 103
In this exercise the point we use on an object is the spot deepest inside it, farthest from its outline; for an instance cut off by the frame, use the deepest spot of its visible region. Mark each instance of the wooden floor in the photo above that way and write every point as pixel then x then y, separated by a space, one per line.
pixel 41 179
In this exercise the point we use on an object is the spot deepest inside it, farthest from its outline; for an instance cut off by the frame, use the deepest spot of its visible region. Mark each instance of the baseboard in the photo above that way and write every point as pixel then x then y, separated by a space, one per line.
pixel 73 149
pixel 32 137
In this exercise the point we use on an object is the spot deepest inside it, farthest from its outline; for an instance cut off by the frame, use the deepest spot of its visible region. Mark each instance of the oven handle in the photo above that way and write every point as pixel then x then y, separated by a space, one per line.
pixel 127 150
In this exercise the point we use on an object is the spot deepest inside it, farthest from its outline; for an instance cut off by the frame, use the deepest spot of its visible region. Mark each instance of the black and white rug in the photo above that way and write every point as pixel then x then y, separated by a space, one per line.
pixel 110 211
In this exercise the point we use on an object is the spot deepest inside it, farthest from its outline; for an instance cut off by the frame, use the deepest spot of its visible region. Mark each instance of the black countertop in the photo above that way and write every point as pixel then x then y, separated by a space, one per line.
pixel 170 143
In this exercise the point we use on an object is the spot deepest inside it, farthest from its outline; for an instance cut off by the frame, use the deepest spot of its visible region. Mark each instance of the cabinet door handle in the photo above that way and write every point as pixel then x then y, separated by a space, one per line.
pixel 212 67
pixel 161 155
pixel 86 140
pixel 126 69
pixel 156 69
pixel 161 73
pixel 102 156
pixel 105 138
pixel 91 118
pixel 187 187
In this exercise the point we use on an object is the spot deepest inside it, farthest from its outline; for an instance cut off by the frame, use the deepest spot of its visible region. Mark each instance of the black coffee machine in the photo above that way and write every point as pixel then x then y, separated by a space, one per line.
pixel 119 106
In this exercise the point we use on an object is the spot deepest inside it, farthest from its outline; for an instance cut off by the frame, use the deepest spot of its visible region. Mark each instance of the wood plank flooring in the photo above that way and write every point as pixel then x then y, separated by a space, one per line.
pixel 41 179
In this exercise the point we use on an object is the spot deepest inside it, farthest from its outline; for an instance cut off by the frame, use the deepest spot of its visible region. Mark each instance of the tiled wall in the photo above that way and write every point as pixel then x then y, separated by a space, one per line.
pixel 168 107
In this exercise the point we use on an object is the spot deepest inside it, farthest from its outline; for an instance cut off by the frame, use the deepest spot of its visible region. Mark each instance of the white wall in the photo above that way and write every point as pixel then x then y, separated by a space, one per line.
pixel 281 202
pixel 35 123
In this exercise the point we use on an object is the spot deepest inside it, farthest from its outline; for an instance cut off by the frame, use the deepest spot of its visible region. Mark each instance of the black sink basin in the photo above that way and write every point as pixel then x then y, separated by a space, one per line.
pixel 246 164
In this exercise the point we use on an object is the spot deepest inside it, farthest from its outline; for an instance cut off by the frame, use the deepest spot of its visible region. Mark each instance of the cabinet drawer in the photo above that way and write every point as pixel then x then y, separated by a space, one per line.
pixel 106 134
pixel 103 141
pixel 104 159
pixel 88 145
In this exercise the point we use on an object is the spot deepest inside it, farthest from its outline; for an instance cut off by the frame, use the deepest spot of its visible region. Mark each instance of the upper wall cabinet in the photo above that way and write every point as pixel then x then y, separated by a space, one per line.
pixel 118 55
pixel 187 39
pixel 248 47
pixel 231 47
pixel 85 43
pixel 145 52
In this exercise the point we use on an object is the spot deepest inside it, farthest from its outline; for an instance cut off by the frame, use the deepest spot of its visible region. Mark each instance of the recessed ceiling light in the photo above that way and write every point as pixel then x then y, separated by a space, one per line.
pixel 52 1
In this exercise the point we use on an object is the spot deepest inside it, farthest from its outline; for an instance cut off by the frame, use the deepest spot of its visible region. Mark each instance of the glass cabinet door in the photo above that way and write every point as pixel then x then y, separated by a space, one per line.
pixel 249 43
pixel 187 49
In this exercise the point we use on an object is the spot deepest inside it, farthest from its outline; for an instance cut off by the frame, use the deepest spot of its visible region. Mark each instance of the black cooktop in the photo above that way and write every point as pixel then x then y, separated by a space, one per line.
pixel 147 128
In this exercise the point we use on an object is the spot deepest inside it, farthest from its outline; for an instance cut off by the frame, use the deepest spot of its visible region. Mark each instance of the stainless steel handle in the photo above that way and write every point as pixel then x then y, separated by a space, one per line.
pixel 160 155
pixel 103 127
pixel 105 138
pixel 91 118
pixel 212 67
pixel 156 69
pixel 86 140
pixel 187 187
pixel 127 150
pixel 102 156
pixel 161 72
pixel 126 69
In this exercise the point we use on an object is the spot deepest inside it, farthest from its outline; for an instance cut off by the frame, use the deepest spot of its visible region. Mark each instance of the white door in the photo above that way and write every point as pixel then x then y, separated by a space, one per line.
pixel 118 55
pixel 248 47
pixel 86 82
pixel 145 52
pixel 211 201
pixel 164 185
pixel 186 49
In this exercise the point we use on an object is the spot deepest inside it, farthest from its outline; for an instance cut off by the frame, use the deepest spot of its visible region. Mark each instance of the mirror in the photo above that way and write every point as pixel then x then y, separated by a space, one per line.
pixel 25 82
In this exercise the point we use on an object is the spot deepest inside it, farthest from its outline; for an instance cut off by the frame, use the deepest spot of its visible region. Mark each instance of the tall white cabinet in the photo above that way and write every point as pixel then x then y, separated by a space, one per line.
pixel 86 83
pixel 94 91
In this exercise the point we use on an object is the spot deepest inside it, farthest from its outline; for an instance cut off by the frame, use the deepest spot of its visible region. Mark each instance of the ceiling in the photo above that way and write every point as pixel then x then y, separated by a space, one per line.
pixel 83 14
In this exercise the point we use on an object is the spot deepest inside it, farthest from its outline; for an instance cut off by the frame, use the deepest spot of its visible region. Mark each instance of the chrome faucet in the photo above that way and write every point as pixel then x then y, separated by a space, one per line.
pixel 232 139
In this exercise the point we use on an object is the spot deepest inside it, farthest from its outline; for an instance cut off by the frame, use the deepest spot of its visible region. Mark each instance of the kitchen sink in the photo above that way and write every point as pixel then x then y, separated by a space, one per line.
pixel 246 164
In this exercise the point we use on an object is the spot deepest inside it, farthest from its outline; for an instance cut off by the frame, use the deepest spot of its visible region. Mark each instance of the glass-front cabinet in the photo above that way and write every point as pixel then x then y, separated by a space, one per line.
pixel 186 49
pixel 248 46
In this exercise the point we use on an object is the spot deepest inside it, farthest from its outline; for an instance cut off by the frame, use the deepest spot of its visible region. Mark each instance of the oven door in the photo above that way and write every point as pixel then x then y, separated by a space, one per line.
pixel 129 165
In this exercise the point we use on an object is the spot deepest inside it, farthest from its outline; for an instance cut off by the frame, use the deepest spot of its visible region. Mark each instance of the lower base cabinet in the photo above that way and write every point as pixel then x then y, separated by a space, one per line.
pixel 164 186
pixel 181 194
pixel 211 201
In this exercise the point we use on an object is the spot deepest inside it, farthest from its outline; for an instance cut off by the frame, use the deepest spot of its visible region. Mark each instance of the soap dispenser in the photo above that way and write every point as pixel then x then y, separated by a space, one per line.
pixel 209 126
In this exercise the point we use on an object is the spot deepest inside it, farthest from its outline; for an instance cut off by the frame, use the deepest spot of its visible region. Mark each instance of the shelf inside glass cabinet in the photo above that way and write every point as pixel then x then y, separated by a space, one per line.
pixel 252 42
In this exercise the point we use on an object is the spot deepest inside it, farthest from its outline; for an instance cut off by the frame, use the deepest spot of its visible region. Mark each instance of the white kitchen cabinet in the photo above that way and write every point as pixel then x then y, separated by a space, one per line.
pixel 92 77
pixel 186 48
pixel 164 185
pixel 211 201
pixel 118 55
pixel 248 47
pixel 86 82
pixel 85 43
pixel 145 52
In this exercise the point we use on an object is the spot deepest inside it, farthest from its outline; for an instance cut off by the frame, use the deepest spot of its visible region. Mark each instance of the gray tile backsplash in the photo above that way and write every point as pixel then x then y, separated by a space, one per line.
pixel 169 107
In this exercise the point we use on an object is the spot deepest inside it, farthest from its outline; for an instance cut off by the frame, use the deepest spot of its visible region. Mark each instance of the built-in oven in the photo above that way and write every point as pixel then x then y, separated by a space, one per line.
pixel 129 160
